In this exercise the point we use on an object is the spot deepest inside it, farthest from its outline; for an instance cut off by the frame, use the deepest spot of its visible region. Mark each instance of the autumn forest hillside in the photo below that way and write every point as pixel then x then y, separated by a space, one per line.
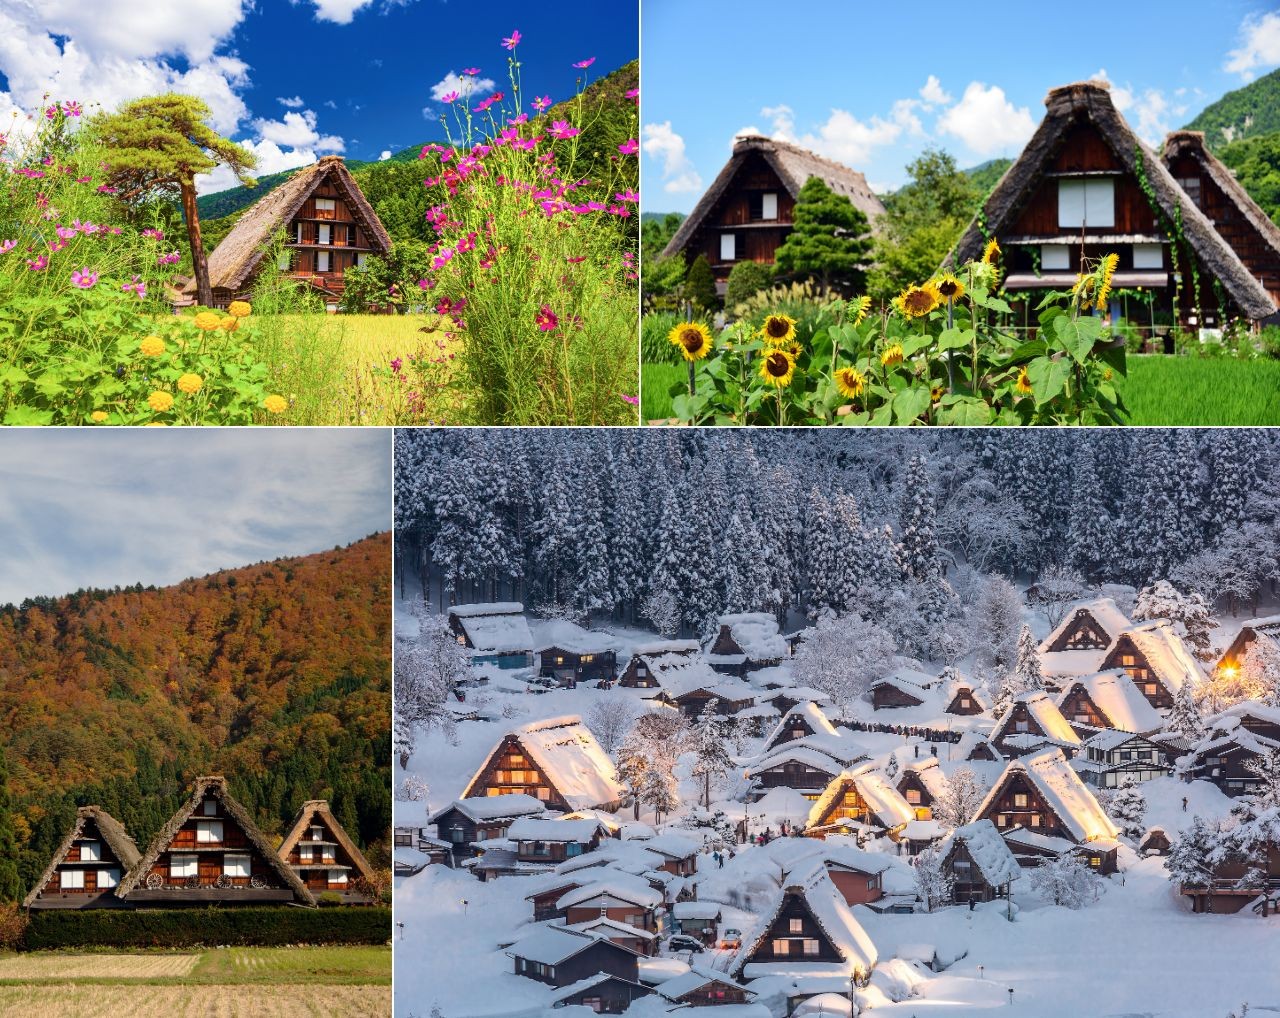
pixel 276 675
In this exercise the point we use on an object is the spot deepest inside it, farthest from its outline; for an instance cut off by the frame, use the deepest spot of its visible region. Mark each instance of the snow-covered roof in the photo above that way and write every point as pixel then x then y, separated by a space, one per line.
pixel 493 807
pixel 675 988
pixel 564 749
pixel 757 634
pixel 655 648
pixel 537 829
pixel 834 917
pixel 1044 712
pixel 780 804
pixel 609 928
pixel 1116 695
pixel 498 628
pixel 696 910
pixel 809 712
pixel 551 945
pixel 613 888
pixel 958 683
pixel 609 821
pixel 969 741
pixel 841 749
pixel 1167 654
pixel 582 985
pixel 630 856
pixel 1230 719
pixel 930 775
pixel 673 845
pixel 903 684
pixel 1108 739
pixel 922 830
pixel 831 1005
pixel 1034 839
pixel 987 849
pixel 571 637
pixel 795 752
pixel 1064 792
pixel 1110 619
pixel 883 800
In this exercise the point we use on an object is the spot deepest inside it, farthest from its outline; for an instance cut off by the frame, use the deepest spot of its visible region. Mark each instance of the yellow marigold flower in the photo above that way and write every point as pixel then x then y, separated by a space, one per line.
pixel 151 346
pixel 1023 383
pixel 777 367
pixel 229 324
pixel 275 404
pixel 949 287
pixel 190 383
pixel 918 301
pixel 160 402
pixel 990 252
pixel 98 416
pixel 239 309
pixel 1106 270
pixel 850 382
pixel 208 321
pixel 692 338
pixel 858 308
pixel 892 355
pixel 778 330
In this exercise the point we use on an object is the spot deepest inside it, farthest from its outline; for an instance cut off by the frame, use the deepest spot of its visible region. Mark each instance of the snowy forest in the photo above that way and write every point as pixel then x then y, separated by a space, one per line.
pixel 678 527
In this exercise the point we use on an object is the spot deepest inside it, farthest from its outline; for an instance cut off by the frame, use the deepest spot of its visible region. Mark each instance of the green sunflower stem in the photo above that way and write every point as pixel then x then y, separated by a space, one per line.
pixel 689 365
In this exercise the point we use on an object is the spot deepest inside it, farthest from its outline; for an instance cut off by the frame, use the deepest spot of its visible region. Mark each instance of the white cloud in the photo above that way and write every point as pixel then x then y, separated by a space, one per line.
pixel 663 145
pixel 933 93
pixel 986 121
pixel 340 12
pixel 271 159
pixel 1147 111
pixel 331 104
pixel 842 136
pixel 1259 45
pixel 384 155
pixel 294 102
pixel 466 85
pixel 298 130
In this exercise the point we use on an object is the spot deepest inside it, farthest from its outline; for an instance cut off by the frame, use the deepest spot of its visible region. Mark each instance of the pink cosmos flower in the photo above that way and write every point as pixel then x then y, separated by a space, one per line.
pixel 153 234
pixel 172 258
pixel 633 400
pixel 137 286
pixel 629 147
pixel 38 264
pixel 546 319
pixel 467 243
pixel 66 232
pixel 483 105
pixel 449 97
pixel 426 284
pixel 107 190
pixel 56 245
pixel 582 65
pixel 72 108
pixel 51 111
pixel 541 102
pixel 84 279
pixel 7 245
pixel 396 364
pixel 473 71
pixel 512 41
pixel 627 196
pixel 84 180
pixel 560 130
pixel 442 259
pixel 632 93
pixel 619 210
pixel 575 261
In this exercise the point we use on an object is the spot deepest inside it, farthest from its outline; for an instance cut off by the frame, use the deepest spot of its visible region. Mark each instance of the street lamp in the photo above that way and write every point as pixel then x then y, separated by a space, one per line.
pixel 465 903
pixel 400 927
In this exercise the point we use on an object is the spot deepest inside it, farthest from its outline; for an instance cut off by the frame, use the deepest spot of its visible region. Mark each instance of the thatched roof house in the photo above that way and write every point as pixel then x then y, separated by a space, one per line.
pixel 320 851
pixel 212 851
pixel 746 214
pixel 329 227
pixel 1085 185
pixel 87 865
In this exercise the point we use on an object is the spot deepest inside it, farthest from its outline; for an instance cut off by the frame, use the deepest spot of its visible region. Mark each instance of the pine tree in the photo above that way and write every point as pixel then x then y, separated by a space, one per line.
pixel 1190 858
pixel 658 792
pixel 1089 536
pixel 1184 717
pixel 1065 881
pixel 1027 664
pixel 830 240
pixel 1128 808
pixel 700 286
pixel 891 766
pixel 10 882
pixel 823 557
pixel 960 800
pixel 920 552
pixel 710 746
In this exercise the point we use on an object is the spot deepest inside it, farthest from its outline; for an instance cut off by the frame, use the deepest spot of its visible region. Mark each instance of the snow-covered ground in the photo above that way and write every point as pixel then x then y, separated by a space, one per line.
pixel 1137 952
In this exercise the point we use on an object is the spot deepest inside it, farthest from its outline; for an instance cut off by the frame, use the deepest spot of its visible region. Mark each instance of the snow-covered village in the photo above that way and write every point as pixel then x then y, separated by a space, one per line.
pixel 837 724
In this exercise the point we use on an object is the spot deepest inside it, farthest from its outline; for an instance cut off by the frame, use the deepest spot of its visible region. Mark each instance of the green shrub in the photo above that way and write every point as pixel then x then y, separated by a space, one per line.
pixel 328 899
pixel 746 279
pixel 700 285
pixel 1269 341
pixel 191 927
pixel 654 345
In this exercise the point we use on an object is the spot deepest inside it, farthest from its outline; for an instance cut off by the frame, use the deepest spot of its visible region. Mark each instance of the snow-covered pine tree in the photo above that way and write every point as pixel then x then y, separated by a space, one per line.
pixel 427 673
pixel 1128 808
pixel 996 620
pixel 933 882
pixel 711 749
pixel 592 553
pixel 1065 881
pixel 1184 716
pixel 1089 534
pixel 823 557
pixel 891 767
pixel 743 567
pixel 842 657
pixel 1190 858
pixel 552 532
pixel 633 764
pixel 1260 668
pixel 402 740
pixel 658 793
pixel 920 553
pixel 1189 613
pixel 412 789
pixel 960 800
pixel 1027 664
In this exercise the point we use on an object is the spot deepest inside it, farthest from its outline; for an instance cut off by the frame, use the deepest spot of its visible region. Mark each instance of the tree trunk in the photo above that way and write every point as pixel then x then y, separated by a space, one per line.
pixel 204 292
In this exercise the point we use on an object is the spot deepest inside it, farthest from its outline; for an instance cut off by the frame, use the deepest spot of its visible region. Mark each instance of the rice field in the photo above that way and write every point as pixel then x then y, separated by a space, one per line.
pixel 1160 391
pixel 285 982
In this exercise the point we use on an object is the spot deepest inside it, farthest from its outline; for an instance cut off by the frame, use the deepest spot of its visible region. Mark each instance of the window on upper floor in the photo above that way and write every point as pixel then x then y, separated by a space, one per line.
pixel 1086 202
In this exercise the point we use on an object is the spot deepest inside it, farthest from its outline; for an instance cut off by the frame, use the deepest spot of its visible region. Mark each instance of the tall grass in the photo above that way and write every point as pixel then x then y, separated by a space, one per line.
pixel 1173 391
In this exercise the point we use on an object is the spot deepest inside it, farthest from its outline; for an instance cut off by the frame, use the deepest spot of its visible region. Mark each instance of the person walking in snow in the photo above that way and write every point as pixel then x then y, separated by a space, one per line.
pixel 1184 804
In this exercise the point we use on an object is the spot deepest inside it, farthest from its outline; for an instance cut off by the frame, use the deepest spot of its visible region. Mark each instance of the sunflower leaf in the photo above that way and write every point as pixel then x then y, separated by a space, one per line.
pixel 910 403
pixel 954 339
pixel 967 413
pixel 1078 335
pixel 1048 378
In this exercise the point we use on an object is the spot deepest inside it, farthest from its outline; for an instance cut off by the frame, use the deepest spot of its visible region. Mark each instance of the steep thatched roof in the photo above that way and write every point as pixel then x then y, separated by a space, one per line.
pixel 794 166
pixel 112 832
pixel 319 809
pixel 215 787
pixel 235 259
pixel 1191 143
pixel 1091 101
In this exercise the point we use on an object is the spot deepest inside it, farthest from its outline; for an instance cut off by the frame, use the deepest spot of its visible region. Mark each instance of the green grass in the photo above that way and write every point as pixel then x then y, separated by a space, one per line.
pixel 1160 391
pixel 1171 391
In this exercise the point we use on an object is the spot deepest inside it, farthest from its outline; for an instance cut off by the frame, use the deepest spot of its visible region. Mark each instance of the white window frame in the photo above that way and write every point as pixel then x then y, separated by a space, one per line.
pixel 1148 256
pixel 1055 258
pixel 769 205
pixel 322 261
pixel 209 808
pixel 108 878
pixel 325 234
pixel 326 205
pixel 71 880
pixel 728 247
pixel 182 866
pixel 337 876
pixel 238 865
pixel 90 851
pixel 206 831
pixel 1088 202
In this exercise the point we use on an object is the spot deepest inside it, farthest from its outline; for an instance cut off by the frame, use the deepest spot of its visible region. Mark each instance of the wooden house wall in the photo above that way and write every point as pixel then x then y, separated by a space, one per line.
pixel 756 240
pixel 107 861
pixel 968 882
pixel 1082 633
pixel 725 645
pixel 553 851
pixel 601 956
pixel 1034 813
pixel 693 703
pixel 1228 769
pixel 1018 715
pixel 957 706
pixel 856 888
pixel 347 238
pixel 210 855
pixel 714 992
pixel 848 805
pixel 1079 709
pixel 798 727
pixel 909 784
pixel 610 997
pixel 510 770
pixel 638 675
pixel 628 914
pixel 794 907
pixel 885 696
pixel 795 775
pixel 1126 655
pixel 602 664
pixel 327 853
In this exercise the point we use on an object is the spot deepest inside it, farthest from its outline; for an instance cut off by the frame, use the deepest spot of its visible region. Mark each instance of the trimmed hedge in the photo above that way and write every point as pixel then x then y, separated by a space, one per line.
pixel 206 927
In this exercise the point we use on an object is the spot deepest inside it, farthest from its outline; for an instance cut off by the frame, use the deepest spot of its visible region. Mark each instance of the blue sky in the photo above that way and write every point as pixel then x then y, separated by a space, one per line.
pixel 99 507
pixel 873 85
pixel 298 79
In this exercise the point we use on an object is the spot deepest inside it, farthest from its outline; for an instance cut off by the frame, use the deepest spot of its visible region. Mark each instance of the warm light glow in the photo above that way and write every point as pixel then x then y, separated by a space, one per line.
pixel 1229 671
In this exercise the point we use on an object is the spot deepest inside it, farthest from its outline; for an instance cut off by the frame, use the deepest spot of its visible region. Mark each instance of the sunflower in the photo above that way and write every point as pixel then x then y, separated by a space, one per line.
pixel 778 330
pixel 937 392
pixel 850 382
pixel 693 339
pixel 949 287
pixel 1105 271
pixel 990 252
pixel 777 367
pixel 858 308
pixel 1023 384
pixel 1084 290
pixel 892 355
pixel 190 384
pixel 918 301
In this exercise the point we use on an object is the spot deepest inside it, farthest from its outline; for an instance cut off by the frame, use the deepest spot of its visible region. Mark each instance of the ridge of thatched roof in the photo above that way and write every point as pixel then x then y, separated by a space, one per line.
pixel 215 786
pixel 234 260
pixel 1191 143
pixel 309 811
pixel 112 832
pixel 1092 101
pixel 794 166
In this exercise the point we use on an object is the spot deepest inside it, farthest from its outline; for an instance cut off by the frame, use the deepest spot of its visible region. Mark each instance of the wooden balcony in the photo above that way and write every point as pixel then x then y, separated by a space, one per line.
pixel 211 895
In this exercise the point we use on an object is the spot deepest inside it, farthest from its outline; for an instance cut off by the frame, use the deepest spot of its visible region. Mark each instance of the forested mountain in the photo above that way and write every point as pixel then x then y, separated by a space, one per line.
pixel 276 675
pixel 735 521
pixel 1245 113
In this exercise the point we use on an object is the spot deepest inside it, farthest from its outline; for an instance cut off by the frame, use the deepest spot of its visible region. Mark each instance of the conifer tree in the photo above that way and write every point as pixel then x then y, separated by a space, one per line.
pixel 700 286
pixel 10 882
pixel 830 240
pixel 919 542
pixel 1184 717
pixel 1027 665
pixel 710 746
